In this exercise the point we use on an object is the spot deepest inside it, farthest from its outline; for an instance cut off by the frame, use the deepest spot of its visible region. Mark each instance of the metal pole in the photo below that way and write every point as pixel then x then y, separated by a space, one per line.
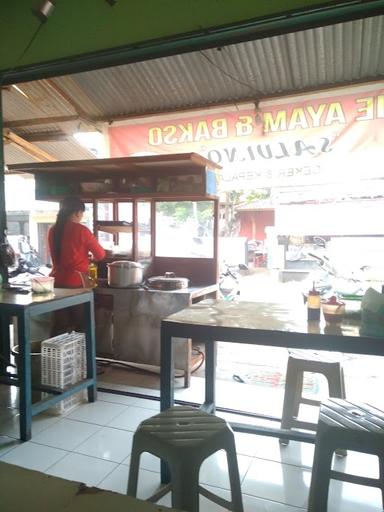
pixel 3 214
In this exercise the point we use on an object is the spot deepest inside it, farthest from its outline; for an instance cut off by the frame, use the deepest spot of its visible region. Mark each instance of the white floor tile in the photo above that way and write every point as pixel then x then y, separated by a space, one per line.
pixel 98 412
pixel 277 482
pixel 149 482
pixel 214 470
pixel 264 447
pixel 11 427
pixel 66 434
pixel 250 503
pixel 81 468
pixel 147 461
pixel 108 444
pixel 360 464
pixel 116 481
pixel 129 400
pixel 131 418
pixel 33 456
pixel 353 498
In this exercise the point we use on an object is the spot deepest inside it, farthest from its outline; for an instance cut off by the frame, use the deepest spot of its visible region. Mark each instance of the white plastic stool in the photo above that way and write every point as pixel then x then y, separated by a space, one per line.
pixel 184 437
pixel 301 361
pixel 349 426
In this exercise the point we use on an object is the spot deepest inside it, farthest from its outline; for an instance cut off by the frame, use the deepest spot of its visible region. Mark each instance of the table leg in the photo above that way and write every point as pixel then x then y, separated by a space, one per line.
pixel 5 344
pixel 210 376
pixel 167 370
pixel 24 373
pixel 90 348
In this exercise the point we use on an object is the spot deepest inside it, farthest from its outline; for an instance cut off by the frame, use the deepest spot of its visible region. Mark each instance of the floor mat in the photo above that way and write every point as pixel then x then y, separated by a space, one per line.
pixel 264 376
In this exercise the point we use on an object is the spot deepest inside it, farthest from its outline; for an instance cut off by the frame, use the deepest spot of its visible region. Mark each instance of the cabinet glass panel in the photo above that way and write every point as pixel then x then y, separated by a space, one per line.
pixel 88 216
pixel 105 212
pixel 184 229
pixel 124 240
pixel 144 229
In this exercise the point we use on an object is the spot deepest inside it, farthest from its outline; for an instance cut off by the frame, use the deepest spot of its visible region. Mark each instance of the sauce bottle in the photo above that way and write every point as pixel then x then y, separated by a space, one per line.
pixel 313 304
pixel 92 273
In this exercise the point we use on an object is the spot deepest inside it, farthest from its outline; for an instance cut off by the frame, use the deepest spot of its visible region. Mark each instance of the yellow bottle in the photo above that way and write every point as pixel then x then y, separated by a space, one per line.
pixel 313 304
pixel 92 272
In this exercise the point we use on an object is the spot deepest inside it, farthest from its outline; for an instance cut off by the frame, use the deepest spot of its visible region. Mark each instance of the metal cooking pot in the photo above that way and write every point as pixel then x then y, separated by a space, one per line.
pixel 124 273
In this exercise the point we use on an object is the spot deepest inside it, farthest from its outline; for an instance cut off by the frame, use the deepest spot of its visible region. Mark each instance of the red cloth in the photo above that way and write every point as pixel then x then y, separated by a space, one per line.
pixel 77 242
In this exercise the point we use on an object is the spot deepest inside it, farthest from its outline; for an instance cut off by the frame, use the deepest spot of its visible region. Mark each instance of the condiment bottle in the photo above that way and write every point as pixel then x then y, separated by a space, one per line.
pixel 92 273
pixel 313 304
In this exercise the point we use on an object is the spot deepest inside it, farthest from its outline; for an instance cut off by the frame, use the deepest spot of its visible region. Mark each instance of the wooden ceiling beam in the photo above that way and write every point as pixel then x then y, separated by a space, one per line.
pixel 71 102
pixel 20 123
pixel 46 136
pixel 31 149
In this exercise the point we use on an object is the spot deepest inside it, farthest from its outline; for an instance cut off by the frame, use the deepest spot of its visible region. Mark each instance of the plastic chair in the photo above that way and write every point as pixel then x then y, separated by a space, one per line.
pixel 348 426
pixel 184 437
pixel 301 361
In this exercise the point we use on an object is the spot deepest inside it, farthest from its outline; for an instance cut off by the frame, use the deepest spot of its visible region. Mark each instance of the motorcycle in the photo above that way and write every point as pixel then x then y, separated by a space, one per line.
pixel 229 281
pixel 329 280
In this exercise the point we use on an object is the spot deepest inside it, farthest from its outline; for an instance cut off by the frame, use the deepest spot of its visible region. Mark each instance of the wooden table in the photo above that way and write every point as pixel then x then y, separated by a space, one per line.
pixel 275 325
pixel 25 490
pixel 24 307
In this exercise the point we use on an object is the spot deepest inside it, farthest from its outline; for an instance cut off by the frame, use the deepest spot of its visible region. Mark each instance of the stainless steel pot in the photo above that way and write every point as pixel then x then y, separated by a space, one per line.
pixel 124 273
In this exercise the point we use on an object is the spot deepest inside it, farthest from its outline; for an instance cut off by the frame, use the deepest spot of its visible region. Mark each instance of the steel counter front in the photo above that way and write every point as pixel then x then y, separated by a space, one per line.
pixel 268 324
pixel 24 307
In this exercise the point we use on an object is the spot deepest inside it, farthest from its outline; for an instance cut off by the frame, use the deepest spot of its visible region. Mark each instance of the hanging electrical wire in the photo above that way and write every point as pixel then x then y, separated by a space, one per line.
pixel 42 14
pixel 229 75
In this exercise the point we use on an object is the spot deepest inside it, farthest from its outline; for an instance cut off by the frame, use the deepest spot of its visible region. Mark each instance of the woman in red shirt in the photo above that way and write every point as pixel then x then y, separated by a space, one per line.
pixel 70 244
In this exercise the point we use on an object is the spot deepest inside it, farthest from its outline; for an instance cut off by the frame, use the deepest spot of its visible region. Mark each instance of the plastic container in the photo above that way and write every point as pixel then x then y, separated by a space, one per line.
pixel 42 284
pixel 333 310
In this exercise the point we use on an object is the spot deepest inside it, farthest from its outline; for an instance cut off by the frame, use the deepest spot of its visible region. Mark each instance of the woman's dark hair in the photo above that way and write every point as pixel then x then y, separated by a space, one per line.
pixel 68 206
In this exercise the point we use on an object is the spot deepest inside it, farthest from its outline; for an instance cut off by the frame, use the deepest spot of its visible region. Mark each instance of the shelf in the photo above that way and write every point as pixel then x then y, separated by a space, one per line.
pixel 114 227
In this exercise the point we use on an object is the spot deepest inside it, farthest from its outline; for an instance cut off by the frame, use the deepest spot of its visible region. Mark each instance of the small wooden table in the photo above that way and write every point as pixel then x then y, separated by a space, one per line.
pixel 24 307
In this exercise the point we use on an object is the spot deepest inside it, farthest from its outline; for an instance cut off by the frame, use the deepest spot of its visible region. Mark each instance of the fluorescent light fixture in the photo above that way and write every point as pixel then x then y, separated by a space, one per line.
pixel 17 88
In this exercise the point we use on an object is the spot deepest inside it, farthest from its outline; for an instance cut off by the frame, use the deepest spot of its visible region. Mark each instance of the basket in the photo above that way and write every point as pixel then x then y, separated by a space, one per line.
pixel 63 363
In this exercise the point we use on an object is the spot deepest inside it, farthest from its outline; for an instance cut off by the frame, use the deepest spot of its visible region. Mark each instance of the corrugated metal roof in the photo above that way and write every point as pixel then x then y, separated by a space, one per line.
pixel 38 100
pixel 329 56
pixel 67 149
pixel 324 56
pixel 14 155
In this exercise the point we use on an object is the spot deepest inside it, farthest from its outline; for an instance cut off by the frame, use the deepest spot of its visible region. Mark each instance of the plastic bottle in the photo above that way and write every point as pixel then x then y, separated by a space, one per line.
pixel 313 304
pixel 92 272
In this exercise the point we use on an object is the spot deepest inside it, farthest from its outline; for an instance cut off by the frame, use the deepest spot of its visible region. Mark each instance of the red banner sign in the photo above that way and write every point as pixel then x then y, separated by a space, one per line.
pixel 324 137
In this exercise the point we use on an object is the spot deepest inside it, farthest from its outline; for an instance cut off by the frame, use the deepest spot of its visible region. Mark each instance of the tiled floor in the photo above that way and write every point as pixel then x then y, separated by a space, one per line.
pixel 92 444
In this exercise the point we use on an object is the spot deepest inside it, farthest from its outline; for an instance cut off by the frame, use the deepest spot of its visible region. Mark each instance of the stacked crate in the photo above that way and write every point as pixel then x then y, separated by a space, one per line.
pixel 63 363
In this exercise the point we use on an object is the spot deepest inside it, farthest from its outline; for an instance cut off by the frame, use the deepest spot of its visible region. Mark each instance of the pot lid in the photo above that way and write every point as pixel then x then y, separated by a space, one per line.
pixel 168 283
pixel 125 264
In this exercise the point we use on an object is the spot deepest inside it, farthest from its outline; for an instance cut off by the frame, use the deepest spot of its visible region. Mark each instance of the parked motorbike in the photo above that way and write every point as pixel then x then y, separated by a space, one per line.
pixel 27 264
pixel 229 281
pixel 328 280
